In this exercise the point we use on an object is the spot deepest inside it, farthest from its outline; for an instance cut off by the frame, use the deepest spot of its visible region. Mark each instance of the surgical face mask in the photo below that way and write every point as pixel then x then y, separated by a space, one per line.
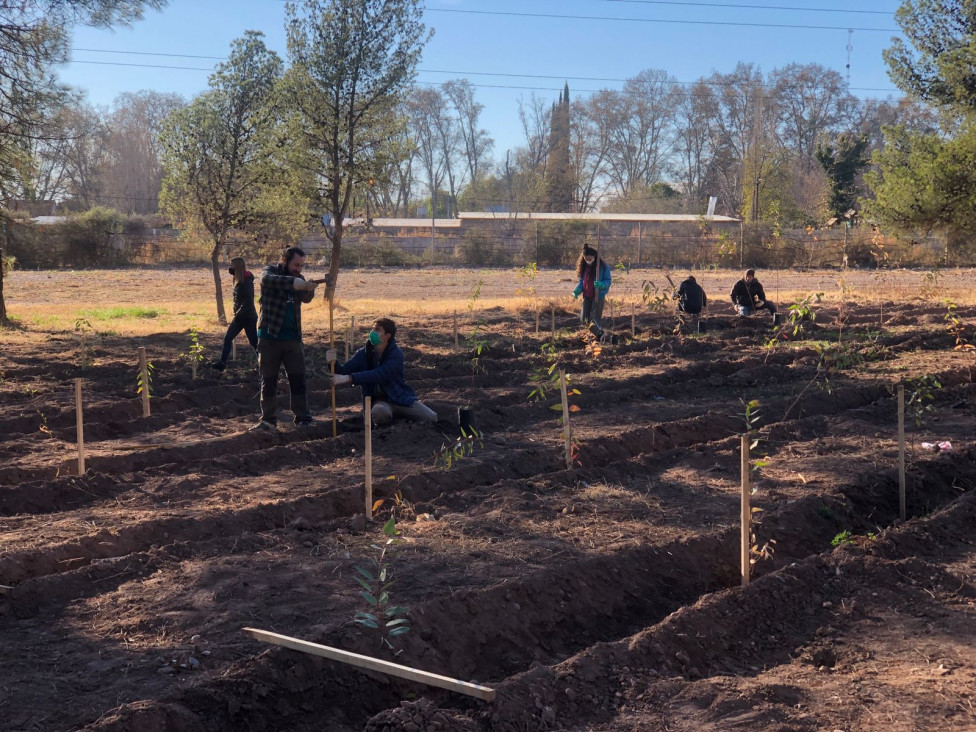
pixel 589 260
pixel 374 337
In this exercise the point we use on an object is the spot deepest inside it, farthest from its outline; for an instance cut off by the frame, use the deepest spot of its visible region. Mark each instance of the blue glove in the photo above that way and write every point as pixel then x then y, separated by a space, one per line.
pixel 575 295
pixel 600 285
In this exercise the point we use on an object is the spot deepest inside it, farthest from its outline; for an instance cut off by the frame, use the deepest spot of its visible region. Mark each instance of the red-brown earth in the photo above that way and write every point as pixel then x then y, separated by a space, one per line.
pixel 601 597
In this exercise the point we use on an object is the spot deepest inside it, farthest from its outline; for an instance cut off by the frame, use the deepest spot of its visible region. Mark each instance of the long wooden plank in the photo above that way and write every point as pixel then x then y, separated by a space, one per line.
pixel 373 664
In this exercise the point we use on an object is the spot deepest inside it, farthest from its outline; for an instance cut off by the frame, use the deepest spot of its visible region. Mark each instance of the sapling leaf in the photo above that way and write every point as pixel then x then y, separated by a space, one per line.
pixel 364 573
pixel 398 621
pixel 384 598
pixel 574 408
pixel 364 584
pixel 378 504
pixel 395 610
pixel 389 528
pixel 369 598
pixel 399 631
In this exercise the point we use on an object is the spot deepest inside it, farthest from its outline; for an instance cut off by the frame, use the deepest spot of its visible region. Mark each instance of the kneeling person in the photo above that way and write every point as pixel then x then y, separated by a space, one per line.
pixel 377 369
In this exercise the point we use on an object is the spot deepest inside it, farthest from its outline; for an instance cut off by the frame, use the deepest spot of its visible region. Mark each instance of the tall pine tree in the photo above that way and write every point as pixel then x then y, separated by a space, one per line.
pixel 560 186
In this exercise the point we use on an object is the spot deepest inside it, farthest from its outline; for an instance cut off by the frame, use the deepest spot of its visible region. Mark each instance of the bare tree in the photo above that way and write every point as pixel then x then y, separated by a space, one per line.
pixel 424 106
pixel 640 122
pixel 476 141
pixel 811 101
pixel 589 147
pixel 134 172
pixel 695 113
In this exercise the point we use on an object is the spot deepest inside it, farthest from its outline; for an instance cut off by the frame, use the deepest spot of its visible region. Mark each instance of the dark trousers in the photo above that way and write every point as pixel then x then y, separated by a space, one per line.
pixel 593 313
pixel 247 323
pixel 271 355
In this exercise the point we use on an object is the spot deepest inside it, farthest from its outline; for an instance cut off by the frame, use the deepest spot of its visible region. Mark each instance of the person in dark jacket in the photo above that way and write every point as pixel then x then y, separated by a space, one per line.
pixel 691 297
pixel 594 283
pixel 283 290
pixel 377 369
pixel 245 316
pixel 748 296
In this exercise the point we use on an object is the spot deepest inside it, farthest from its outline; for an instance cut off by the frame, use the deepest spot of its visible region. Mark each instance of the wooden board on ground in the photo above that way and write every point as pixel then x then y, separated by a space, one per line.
pixel 373 664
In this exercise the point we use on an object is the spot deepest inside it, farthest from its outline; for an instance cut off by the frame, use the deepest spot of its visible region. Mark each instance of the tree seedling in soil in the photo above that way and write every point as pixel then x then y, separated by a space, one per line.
pixel 86 354
pixel 846 537
pixel 194 354
pixel 656 299
pixel 752 417
pixel 382 615
pixel 919 394
pixel 955 327
pixel 148 387
pixel 802 312
pixel 463 447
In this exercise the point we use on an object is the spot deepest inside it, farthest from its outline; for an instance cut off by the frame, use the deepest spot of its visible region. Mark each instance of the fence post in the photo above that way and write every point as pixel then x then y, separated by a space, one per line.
pixel 745 517
pixel 901 452
pixel 80 426
pixel 144 371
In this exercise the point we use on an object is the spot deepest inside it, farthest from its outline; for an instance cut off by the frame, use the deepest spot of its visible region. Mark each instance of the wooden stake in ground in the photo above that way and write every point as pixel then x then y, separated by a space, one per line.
pixel 369 457
pixel 538 312
pixel 373 664
pixel 566 428
pixel 633 319
pixel 335 426
pixel 901 451
pixel 552 314
pixel 193 369
pixel 745 531
pixel 80 425
pixel 144 373
pixel 457 345
pixel 233 350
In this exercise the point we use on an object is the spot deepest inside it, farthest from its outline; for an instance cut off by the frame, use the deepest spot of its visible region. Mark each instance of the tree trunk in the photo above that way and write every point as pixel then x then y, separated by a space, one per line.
pixel 334 258
pixel 3 248
pixel 215 264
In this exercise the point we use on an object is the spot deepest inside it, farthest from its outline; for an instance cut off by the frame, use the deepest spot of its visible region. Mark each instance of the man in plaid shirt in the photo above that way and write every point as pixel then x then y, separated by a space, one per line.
pixel 283 290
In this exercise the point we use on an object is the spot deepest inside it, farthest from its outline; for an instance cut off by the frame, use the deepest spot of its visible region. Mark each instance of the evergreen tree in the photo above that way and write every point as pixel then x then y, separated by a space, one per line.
pixel 560 187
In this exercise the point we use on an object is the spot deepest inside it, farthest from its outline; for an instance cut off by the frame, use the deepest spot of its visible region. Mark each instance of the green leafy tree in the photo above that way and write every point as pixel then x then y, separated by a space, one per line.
pixel 925 181
pixel 218 150
pixel 936 61
pixel 34 38
pixel 842 159
pixel 352 63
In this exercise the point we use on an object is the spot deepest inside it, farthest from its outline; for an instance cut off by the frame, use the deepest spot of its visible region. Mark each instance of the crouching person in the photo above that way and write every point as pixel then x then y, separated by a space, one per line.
pixel 377 369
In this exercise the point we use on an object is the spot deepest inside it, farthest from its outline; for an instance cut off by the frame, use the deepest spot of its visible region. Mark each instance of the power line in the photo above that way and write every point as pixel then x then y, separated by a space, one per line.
pixel 562 77
pixel 148 53
pixel 753 7
pixel 740 24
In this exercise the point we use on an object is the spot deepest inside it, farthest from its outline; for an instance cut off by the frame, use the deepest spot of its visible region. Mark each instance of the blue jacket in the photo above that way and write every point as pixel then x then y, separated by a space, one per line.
pixel 385 371
pixel 603 278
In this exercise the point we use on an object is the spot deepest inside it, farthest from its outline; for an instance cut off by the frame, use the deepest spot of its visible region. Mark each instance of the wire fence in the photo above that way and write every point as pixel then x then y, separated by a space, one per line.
pixel 555 244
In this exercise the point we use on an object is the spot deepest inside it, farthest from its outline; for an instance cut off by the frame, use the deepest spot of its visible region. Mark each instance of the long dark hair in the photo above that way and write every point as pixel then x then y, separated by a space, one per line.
pixel 581 262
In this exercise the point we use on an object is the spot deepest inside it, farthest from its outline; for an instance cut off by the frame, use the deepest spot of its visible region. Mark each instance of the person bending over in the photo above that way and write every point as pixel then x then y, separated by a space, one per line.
pixel 748 296
pixel 377 368
pixel 594 283
pixel 691 297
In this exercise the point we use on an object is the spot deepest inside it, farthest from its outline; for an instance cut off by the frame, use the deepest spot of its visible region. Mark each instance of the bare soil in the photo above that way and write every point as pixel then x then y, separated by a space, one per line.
pixel 601 597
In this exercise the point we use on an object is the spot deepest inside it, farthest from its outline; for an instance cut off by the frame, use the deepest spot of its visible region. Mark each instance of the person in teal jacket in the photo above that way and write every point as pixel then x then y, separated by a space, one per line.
pixel 594 283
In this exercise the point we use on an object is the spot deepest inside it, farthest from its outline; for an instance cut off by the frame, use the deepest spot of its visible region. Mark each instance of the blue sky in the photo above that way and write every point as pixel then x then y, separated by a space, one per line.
pixel 589 45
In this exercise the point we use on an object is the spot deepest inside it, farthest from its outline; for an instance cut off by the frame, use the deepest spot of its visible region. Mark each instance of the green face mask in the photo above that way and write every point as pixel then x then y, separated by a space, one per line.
pixel 374 337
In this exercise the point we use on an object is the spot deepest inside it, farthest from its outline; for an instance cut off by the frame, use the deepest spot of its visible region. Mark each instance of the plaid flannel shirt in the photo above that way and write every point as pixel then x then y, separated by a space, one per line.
pixel 276 288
